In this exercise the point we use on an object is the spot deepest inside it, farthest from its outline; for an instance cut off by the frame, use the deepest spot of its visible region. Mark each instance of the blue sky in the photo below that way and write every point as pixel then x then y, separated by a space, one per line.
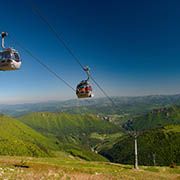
pixel 132 47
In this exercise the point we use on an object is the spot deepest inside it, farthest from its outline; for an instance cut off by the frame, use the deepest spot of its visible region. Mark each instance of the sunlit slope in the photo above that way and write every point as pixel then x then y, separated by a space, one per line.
pixel 72 133
pixel 18 139
pixel 67 127
pixel 161 145
pixel 157 118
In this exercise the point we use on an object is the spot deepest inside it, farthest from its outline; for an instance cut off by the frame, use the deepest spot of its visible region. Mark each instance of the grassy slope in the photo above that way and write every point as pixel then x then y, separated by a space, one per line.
pixel 68 168
pixel 104 141
pixel 164 142
pixel 158 118
pixel 71 132
pixel 18 139
pixel 63 124
pixel 70 128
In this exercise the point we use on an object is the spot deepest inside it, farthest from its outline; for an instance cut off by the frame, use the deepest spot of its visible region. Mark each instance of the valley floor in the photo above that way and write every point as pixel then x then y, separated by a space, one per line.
pixel 70 168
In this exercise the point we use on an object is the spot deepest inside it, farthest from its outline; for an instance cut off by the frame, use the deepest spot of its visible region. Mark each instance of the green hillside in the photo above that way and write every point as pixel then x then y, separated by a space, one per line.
pixel 164 143
pixel 68 127
pixel 19 139
pixel 16 138
pixel 157 118
pixel 72 133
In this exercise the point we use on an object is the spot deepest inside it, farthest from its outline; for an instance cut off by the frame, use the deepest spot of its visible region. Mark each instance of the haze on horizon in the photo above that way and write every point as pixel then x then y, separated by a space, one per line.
pixel 132 48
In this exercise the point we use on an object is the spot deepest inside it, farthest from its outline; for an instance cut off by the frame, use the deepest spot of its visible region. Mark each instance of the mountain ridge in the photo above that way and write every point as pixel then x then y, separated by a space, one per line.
pixel 154 119
pixel 131 105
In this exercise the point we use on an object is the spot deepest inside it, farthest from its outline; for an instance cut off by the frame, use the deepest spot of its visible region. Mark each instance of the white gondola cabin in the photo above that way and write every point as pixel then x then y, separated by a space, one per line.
pixel 9 57
pixel 9 60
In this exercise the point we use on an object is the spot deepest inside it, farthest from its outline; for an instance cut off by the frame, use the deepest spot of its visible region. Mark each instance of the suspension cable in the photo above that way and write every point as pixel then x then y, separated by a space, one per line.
pixel 97 84
pixel 57 35
pixel 42 64
pixel 64 43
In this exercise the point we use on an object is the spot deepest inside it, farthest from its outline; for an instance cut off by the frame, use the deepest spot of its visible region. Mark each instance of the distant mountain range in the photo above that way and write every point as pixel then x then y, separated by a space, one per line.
pixel 124 105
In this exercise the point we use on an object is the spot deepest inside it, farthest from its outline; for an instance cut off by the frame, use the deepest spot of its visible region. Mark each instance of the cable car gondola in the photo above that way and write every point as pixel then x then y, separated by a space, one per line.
pixel 9 57
pixel 84 89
